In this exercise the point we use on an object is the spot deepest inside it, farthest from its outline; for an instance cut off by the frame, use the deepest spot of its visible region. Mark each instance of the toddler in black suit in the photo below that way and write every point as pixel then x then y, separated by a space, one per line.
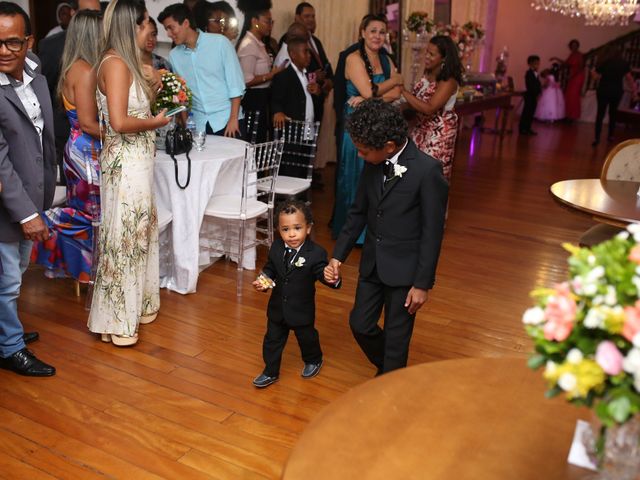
pixel 295 263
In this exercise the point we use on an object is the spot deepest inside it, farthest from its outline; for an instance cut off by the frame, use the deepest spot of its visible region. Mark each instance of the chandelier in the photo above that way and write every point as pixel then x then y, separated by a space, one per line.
pixel 595 12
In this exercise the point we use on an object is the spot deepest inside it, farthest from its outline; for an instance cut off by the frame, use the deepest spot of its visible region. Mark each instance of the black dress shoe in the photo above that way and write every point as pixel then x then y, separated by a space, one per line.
pixel 29 337
pixel 311 369
pixel 263 380
pixel 24 362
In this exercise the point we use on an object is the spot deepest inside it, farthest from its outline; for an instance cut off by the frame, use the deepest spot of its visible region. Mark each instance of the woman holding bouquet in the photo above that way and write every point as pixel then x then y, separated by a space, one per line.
pixel 126 286
pixel 69 251
pixel 434 97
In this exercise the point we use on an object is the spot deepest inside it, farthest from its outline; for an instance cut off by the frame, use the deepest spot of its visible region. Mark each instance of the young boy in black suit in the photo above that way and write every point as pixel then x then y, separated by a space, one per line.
pixel 401 200
pixel 295 263
pixel 534 89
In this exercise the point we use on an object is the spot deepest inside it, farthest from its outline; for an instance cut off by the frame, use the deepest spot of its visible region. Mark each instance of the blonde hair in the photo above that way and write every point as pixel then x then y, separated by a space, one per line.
pixel 120 20
pixel 82 42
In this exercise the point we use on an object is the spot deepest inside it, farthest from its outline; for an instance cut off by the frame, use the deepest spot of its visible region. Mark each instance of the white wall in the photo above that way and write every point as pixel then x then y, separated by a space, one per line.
pixel 24 4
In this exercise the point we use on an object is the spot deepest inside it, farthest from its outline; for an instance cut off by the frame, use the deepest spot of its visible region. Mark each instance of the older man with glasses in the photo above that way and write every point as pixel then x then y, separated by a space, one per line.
pixel 27 176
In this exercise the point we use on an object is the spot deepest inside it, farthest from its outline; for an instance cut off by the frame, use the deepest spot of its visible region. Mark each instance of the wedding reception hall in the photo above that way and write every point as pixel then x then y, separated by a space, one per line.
pixel 318 240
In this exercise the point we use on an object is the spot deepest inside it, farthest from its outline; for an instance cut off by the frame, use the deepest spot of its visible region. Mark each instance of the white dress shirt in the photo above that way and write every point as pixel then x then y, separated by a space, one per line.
pixel 308 110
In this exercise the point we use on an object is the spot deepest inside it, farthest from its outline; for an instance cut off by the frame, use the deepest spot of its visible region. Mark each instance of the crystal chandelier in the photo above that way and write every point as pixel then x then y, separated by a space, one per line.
pixel 595 12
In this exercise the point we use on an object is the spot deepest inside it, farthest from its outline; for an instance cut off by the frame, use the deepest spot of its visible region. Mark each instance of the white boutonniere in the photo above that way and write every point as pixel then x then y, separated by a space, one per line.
pixel 300 262
pixel 398 170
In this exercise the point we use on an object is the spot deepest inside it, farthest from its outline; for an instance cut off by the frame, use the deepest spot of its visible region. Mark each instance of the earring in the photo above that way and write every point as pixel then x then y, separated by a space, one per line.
pixel 257 26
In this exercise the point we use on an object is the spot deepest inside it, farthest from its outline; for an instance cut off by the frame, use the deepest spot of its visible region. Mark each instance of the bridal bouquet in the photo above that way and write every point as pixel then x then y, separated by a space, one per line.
pixel 419 22
pixel 174 92
pixel 586 331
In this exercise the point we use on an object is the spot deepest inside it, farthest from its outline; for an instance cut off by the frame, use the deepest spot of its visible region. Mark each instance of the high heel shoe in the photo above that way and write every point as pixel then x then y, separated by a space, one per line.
pixel 119 340
pixel 145 319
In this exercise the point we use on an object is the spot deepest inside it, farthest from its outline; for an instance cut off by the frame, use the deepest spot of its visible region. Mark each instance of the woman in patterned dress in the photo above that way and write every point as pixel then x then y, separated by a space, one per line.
pixel 126 291
pixel 69 251
pixel 434 97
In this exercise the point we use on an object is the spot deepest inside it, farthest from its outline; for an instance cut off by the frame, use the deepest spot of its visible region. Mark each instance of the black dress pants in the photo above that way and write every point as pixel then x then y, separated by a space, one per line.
pixel 276 338
pixel 388 347
pixel 610 99
pixel 528 111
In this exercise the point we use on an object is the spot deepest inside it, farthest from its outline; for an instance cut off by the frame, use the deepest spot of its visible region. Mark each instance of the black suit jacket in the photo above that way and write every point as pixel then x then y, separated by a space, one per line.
pixel 287 95
pixel 50 51
pixel 293 298
pixel 405 222
pixel 532 82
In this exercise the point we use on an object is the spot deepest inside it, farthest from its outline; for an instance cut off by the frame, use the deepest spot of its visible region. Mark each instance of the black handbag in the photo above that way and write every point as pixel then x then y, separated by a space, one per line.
pixel 177 142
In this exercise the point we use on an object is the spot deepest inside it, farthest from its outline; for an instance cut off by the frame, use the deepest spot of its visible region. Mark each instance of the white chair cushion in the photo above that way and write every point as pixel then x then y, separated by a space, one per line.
pixel 164 218
pixel 60 196
pixel 228 206
pixel 291 185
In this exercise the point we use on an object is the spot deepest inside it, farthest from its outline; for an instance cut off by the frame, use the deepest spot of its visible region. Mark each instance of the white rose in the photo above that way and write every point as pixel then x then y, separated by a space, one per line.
pixel 574 356
pixel 567 382
pixel 631 363
pixel 533 316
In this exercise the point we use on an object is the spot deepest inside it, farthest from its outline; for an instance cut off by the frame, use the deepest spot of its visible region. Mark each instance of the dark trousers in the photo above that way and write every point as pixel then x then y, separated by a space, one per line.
pixel 528 111
pixel 610 100
pixel 257 100
pixel 276 338
pixel 388 347
pixel 220 133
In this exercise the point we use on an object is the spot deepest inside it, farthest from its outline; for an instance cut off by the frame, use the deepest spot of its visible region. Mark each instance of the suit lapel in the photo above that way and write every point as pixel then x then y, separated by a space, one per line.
pixel 403 160
pixel 12 96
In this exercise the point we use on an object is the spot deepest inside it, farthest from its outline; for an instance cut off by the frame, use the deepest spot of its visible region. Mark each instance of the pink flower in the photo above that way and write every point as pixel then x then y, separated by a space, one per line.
pixel 631 325
pixel 609 358
pixel 634 254
pixel 560 314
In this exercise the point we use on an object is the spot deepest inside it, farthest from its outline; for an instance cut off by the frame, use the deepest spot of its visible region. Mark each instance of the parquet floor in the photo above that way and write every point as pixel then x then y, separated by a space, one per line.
pixel 181 405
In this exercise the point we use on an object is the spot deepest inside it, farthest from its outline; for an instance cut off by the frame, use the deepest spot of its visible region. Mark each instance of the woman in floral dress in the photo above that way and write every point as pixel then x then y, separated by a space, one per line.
pixel 434 97
pixel 126 291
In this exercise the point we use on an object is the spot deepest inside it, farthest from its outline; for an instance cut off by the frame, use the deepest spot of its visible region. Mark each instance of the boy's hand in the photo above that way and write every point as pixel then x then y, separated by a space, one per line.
pixel 258 286
pixel 332 271
pixel 415 299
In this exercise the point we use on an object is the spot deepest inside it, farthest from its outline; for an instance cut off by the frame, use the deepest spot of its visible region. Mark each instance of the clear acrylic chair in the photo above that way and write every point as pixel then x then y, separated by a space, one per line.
pixel 252 119
pixel 253 205
pixel 299 153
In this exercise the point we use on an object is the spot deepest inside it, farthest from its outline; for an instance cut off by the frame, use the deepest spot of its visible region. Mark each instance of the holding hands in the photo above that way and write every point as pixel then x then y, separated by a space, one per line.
pixel 332 271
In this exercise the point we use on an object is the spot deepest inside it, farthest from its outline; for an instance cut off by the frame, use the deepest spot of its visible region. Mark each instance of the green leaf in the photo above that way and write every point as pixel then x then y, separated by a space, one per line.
pixel 536 361
pixel 553 392
pixel 620 409
pixel 602 411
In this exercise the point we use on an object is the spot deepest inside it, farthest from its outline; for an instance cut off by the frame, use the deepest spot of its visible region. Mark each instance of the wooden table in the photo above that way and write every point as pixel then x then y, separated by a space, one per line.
pixel 480 418
pixel 609 201
pixel 500 102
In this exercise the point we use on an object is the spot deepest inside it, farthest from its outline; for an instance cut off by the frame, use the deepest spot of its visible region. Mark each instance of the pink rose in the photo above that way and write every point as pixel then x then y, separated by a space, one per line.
pixel 631 325
pixel 560 314
pixel 634 254
pixel 609 358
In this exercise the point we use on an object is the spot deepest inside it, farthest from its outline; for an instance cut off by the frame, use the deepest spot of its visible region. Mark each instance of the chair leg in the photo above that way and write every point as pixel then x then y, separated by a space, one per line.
pixel 240 259
pixel 77 288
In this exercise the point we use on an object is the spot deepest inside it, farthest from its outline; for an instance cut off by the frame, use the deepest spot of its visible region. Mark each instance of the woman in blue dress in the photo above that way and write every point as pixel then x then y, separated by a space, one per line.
pixel 368 74
pixel 69 251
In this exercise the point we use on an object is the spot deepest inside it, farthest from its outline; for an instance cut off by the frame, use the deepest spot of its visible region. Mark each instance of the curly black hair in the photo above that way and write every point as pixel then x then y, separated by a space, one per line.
pixel 375 122
pixel 293 205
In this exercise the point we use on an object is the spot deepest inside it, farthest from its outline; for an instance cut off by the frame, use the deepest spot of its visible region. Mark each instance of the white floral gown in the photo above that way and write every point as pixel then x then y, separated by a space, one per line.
pixel 127 277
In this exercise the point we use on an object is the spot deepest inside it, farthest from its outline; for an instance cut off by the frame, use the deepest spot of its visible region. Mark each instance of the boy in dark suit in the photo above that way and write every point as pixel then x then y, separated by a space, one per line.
pixel 401 200
pixel 534 88
pixel 295 263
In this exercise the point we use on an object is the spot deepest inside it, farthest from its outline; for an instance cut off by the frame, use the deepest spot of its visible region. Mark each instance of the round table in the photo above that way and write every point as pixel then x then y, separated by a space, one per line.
pixel 481 418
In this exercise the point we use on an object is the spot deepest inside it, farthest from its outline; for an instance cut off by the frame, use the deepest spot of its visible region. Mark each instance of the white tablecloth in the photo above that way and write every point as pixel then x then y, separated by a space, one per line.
pixel 217 170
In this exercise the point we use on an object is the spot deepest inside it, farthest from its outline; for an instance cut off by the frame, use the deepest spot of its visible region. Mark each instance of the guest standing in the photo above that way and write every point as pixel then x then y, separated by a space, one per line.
pixel 27 177
pixel 63 16
pixel 209 65
pixel 216 17
pixel 148 56
pixel 611 69
pixel 368 74
pixel 127 281
pixel 69 250
pixel 573 91
pixel 256 61
pixel 534 88
pixel 434 97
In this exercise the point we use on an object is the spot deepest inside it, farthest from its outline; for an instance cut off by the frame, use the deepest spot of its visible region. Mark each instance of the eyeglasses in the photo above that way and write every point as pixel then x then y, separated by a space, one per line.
pixel 14 44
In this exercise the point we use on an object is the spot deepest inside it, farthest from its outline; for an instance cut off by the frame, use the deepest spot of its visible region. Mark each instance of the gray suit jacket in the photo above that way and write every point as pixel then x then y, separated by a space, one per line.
pixel 27 170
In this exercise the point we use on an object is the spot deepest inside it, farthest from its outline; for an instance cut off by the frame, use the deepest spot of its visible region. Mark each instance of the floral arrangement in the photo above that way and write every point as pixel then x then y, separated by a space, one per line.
pixel 174 92
pixel 466 36
pixel 586 331
pixel 419 22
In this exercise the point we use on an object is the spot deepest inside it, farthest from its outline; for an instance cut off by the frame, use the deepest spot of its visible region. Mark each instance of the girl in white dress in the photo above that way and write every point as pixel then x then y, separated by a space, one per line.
pixel 551 102
pixel 126 291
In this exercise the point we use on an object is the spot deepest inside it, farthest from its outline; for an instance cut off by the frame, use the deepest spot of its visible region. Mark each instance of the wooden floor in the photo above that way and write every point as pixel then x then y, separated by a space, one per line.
pixel 181 405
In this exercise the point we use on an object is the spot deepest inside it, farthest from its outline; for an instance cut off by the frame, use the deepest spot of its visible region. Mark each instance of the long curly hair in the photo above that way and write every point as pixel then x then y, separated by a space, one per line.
pixel 375 122
pixel 451 64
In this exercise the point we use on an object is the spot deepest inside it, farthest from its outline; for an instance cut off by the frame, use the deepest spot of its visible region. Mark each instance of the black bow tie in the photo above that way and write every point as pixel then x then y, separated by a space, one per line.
pixel 387 168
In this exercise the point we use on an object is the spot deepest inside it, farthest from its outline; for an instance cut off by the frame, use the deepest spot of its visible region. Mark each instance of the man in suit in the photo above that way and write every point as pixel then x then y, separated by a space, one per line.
pixel 27 175
pixel 401 200
pixel 534 89
pixel 50 51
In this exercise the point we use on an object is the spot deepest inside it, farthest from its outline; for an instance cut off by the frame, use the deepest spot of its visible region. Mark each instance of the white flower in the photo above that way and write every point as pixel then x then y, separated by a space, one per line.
pixel 567 382
pixel 631 363
pixel 590 288
pixel 636 341
pixel 533 316
pixel 300 262
pixel 623 235
pixel 574 356
pixel 594 318
pixel 636 382
pixel 595 274
pixel 550 368
pixel 611 298
pixel 636 282
pixel 591 260
pixel 634 229
pixel 398 170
